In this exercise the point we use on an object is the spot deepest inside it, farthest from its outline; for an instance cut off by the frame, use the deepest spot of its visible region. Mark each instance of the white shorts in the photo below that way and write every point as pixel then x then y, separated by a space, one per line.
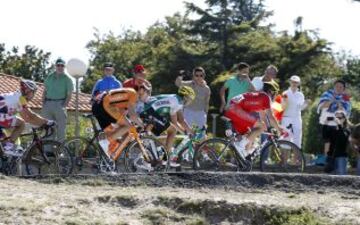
pixel 197 118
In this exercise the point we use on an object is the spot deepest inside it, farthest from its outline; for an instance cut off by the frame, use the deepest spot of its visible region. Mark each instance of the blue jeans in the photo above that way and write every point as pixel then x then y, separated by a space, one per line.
pixel 358 166
pixel 341 165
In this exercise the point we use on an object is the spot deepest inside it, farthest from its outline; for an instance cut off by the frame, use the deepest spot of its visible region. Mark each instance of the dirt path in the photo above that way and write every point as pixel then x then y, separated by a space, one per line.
pixel 196 198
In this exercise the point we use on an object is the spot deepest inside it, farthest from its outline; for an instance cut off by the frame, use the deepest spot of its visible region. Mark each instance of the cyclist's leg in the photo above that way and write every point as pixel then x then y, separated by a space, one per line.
pixel 170 139
pixel 18 125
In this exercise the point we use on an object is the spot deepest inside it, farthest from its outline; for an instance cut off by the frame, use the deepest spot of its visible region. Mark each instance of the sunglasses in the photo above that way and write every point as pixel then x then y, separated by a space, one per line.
pixel 199 75
pixel 340 117
pixel 60 65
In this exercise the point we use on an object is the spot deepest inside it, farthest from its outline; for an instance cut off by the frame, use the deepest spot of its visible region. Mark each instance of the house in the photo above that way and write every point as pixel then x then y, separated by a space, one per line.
pixel 9 83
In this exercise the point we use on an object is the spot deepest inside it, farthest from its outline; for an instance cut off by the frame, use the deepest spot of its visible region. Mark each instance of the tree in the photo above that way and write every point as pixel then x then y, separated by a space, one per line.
pixel 222 20
pixel 32 64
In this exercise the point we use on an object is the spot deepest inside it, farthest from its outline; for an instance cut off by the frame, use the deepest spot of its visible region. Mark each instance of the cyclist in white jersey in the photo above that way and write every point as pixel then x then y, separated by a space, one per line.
pixel 166 113
pixel 14 103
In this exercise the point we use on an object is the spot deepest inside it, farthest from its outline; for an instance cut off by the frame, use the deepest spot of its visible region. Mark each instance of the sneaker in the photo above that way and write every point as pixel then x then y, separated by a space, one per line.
pixel 240 147
pixel 10 149
pixel 141 164
pixel 173 162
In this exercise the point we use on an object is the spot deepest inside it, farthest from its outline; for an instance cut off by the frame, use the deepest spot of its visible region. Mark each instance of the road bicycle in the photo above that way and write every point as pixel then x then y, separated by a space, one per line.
pixel 276 155
pixel 140 153
pixel 40 156
pixel 85 152
pixel 184 151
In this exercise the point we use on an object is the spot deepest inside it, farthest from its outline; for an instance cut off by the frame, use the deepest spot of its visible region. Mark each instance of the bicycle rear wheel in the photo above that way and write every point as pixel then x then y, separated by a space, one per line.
pixel 216 154
pixel 85 155
pixel 57 161
pixel 135 162
pixel 283 157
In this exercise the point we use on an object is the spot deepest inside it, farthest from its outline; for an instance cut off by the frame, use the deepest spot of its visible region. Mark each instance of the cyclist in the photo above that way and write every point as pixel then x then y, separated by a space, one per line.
pixel 17 102
pixel 110 109
pixel 166 113
pixel 242 118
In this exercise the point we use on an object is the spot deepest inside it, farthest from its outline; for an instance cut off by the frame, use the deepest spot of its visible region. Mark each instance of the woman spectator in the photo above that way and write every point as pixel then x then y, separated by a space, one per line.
pixel 293 102
pixel 338 151
pixel 196 112
pixel 330 102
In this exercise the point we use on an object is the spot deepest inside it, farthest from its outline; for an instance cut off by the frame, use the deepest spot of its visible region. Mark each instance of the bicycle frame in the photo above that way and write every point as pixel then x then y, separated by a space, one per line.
pixel 131 135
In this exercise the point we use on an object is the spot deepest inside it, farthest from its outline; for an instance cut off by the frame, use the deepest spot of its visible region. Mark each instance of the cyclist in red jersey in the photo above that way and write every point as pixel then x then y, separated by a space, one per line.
pixel 241 112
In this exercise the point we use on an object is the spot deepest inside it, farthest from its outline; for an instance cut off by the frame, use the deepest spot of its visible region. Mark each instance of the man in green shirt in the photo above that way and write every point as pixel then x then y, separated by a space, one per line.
pixel 236 85
pixel 56 97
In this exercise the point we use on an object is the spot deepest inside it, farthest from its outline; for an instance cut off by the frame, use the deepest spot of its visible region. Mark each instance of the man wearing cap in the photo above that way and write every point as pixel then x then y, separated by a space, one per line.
pixel 293 102
pixel 56 97
pixel 138 79
pixel 107 82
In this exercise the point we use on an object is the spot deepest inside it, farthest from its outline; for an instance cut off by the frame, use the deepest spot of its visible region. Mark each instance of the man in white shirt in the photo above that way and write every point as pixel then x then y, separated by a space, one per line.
pixel 269 75
pixel 293 103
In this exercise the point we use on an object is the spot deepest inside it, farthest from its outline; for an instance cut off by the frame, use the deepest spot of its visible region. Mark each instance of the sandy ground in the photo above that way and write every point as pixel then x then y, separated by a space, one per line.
pixel 194 198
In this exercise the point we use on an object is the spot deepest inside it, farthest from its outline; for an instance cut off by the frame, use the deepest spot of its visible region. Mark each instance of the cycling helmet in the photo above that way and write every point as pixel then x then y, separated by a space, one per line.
pixel 28 84
pixel 187 91
pixel 271 86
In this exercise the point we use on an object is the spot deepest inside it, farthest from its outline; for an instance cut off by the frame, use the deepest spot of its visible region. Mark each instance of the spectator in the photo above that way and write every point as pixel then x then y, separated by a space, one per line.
pixel 56 97
pixel 355 144
pixel 269 75
pixel 338 150
pixel 258 83
pixel 196 112
pixel 330 102
pixel 107 82
pixel 236 85
pixel 138 79
pixel 293 102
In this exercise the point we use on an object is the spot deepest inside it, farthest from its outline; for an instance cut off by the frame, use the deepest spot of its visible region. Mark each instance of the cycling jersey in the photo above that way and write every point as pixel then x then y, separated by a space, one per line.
pixel 10 104
pixel 111 107
pixel 132 83
pixel 242 106
pixel 105 84
pixel 158 110
pixel 165 105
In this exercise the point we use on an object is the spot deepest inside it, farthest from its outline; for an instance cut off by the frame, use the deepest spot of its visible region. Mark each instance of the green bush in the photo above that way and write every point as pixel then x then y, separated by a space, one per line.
pixel 83 122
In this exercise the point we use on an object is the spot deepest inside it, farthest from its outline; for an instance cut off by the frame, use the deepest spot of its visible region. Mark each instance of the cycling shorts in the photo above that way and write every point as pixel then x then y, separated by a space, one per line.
pixel 160 123
pixel 7 121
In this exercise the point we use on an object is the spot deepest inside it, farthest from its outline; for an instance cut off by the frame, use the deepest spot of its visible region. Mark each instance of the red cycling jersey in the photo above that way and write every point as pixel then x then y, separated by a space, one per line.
pixel 241 107
pixel 251 101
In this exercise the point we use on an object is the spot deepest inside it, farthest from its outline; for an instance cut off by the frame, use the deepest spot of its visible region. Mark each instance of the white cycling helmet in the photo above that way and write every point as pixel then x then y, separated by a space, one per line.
pixel 28 84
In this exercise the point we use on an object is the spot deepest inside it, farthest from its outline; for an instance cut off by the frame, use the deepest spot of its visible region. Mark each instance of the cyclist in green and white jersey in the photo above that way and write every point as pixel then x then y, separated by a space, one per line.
pixel 166 112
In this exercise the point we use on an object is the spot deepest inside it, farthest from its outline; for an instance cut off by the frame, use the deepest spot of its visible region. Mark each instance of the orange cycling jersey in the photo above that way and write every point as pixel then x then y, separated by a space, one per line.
pixel 117 101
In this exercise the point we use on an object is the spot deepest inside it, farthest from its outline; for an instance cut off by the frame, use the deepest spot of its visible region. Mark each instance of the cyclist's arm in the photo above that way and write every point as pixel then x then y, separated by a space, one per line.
pixel 29 116
pixel 272 120
pixel 134 117
pixel 183 123
pixel 222 98
pixel 175 123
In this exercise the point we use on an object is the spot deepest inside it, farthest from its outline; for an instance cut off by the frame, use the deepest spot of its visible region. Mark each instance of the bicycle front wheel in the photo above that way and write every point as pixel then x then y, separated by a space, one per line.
pixel 216 154
pixel 282 156
pixel 85 155
pixel 56 159
pixel 135 161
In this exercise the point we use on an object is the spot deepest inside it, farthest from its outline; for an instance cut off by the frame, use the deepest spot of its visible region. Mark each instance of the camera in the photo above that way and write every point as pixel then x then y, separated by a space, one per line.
pixel 330 118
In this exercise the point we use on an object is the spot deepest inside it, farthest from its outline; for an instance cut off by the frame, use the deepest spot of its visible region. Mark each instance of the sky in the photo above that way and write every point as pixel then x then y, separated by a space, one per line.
pixel 65 27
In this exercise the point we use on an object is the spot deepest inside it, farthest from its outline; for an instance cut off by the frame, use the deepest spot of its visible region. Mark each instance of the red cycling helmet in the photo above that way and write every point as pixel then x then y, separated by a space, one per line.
pixel 139 68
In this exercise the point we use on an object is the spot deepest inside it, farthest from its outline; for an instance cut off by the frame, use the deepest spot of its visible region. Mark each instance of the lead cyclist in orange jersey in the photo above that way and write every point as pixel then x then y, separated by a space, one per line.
pixel 110 109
